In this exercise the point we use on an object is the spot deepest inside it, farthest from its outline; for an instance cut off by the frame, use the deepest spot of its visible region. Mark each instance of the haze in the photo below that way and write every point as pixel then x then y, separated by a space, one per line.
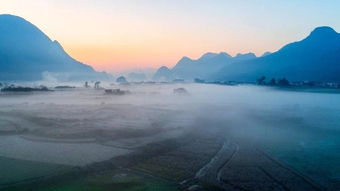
pixel 145 95
pixel 82 126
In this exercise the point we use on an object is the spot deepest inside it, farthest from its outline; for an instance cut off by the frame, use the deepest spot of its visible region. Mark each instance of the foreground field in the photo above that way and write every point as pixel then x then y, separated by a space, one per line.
pixel 212 138
pixel 16 171
pixel 105 181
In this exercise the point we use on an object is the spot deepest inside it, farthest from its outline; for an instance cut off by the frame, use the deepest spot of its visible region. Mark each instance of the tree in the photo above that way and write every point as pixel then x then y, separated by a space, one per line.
pixel 197 80
pixel 272 82
pixel 121 79
pixel 283 82
pixel 261 81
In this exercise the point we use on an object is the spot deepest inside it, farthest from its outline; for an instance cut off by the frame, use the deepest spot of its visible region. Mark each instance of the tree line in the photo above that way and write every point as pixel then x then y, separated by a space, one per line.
pixel 273 81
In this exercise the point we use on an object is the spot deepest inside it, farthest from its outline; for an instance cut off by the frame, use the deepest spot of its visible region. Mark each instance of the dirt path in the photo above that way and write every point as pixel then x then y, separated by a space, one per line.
pixel 246 168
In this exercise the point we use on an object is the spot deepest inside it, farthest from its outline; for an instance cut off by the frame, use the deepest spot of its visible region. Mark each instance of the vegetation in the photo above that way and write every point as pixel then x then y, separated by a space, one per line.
pixel 198 80
pixel 261 80
pixel 13 88
pixel 64 87
pixel 114 180
pixel 121 79
pixel 19 170
pixel 180 91
pixel 116 91
pixel 283 82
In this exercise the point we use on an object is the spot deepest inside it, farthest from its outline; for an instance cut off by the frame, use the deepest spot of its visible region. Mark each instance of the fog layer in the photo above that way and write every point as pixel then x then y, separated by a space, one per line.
pixel 300 129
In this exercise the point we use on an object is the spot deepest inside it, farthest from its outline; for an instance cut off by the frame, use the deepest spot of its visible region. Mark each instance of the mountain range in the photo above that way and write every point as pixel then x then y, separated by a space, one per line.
pixel 27 54
pixel 203 67
pixel 315 58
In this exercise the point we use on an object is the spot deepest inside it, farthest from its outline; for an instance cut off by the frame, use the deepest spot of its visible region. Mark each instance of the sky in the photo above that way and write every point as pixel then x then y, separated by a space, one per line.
pixel 119 35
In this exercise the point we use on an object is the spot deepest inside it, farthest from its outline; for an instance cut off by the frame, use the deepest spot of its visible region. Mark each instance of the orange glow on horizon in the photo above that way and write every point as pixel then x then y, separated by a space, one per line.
pixel 119 35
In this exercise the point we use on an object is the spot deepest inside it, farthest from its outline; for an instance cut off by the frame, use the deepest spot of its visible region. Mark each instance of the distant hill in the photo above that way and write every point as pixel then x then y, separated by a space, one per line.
pixel 27 54
pixel 315 58
pixel 162 74
pixel 136 77
pixel 205 66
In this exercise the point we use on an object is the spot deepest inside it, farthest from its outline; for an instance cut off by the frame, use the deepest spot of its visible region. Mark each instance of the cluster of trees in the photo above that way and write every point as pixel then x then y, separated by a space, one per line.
pixel 198 80
pixel 121 79
pixel 273 81
pixel 13 88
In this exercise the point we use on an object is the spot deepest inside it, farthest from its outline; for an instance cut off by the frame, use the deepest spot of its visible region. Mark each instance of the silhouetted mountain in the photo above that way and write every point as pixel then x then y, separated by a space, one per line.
pixel 207 64
pixel 136 77
pixel 203 67
pixel 26 53
pixel 315 58
pixel 208 56
pixel 162 74
pixel 266 54
pixel 248 56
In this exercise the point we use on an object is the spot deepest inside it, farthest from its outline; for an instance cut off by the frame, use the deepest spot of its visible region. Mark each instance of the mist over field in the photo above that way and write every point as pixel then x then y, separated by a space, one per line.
pixel 177 95
pixel 78 127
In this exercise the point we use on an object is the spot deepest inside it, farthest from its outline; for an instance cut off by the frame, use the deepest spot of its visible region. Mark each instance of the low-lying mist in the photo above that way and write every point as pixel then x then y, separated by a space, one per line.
pixel 299 128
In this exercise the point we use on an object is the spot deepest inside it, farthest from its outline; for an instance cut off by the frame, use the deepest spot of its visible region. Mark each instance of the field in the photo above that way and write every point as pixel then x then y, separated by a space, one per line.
pixel 105 181
pixel 153 139
pixel 14 170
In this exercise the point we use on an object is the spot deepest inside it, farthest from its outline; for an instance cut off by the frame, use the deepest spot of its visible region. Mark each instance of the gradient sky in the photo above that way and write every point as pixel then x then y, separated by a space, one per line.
pixel 116 35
